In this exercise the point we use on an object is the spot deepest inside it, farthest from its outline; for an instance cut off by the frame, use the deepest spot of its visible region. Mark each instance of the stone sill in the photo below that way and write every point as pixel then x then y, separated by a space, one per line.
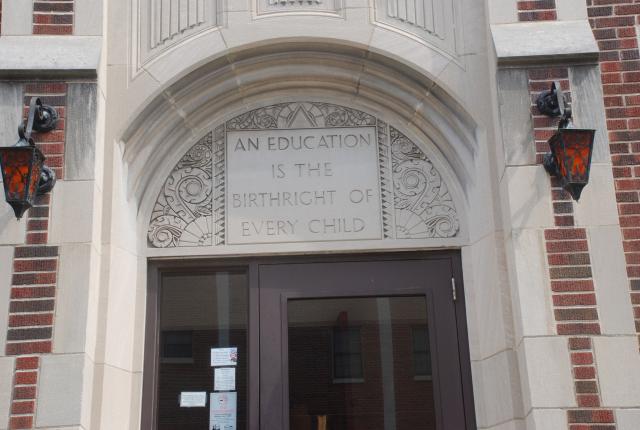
pixel 49 56
pixel 544 42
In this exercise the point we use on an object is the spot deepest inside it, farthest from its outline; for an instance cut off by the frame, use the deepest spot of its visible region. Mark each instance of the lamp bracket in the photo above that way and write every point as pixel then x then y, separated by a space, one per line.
pixel 41 118
pixel 553 103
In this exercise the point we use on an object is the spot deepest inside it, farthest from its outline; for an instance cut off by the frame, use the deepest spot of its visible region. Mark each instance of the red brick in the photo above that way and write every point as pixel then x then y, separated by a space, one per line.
pixel 576 314
pixel 37 88
pixel 22 393
pixel 567 246
pixel 576 343
pixel 565 234
pixel 32 292
pixel 26 320
pixel 574 328
pixel 23 363
pixel 563 286
pixel 584 372
pixel 34 278
pixel 49 265
pixel 28 348
pixel 22 408
pixel 26 378
pixel 21 422
pixel 588 401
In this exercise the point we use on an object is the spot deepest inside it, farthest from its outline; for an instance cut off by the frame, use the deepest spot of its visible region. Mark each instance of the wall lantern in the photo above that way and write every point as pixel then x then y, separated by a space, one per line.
pixel 571 148
pixel 24 174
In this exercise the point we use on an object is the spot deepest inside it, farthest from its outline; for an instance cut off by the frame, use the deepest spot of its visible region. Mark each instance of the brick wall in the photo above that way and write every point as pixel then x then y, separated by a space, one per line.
pixel 568 258
pixel 35 273
pixel 537 10
pixel 614 27
pixel 53 16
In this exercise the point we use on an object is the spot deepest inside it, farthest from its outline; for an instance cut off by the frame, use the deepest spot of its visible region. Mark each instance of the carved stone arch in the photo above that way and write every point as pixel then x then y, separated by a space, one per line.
pixel 415 200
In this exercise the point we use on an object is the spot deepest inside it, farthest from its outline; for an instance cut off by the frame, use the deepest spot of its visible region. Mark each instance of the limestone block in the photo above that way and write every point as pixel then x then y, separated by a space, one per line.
pixel 486 300
pixel 534 41
pixel 515 117
pixel 628 419
pixel 610 279
pixel 618 364
pixel 72 297
pixel 17 18
pixel 6 269
pixel 71 212
pixel 88 18
pixel 545 370
pixel 503 11
pixel 547 419
pixel 68 55
pixel 529 197
pixel 60 390
pixel 12 231
pixel 597 204
pixel 530 285
pixel 497 389
pixel 569 10
pixel 11 95
pixel 118 399
pixel 122 308
pixel 6 381
pixel 588 108
pixel 80 145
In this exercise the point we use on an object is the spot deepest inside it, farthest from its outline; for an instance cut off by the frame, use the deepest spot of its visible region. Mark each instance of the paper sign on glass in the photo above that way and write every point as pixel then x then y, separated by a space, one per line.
pixel 224 357
pixel 224 379
pixel 222 411
pixel 193 399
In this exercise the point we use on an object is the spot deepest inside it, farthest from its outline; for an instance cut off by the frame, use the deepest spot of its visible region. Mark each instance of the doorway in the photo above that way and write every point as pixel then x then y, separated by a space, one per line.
pixel 320 343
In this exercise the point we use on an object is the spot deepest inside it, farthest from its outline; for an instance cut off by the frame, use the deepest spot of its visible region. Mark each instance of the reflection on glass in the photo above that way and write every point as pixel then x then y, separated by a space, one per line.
pixel 197 313
pixel 360 364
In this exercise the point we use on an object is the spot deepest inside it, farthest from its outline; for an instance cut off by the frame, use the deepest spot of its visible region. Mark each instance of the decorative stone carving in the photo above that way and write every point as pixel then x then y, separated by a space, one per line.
pixel 163 23
pixel 265 7
pixel 182 215
pixel 190 208
pixel 423 206
pixel 421 14
pixel 293 2
pixel 307 114
pixel 433 21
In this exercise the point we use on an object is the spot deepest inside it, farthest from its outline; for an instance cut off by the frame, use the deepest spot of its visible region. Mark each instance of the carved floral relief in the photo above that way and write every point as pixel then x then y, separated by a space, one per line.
pixel 182 215
pixel 423 206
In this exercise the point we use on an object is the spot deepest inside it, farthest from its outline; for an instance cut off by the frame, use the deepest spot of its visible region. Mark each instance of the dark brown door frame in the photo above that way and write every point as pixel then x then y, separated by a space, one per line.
pixel 157 268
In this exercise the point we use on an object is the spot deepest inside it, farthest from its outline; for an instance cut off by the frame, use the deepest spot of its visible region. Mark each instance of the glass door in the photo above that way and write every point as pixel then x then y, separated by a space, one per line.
pixel 359 345
pixel 310 343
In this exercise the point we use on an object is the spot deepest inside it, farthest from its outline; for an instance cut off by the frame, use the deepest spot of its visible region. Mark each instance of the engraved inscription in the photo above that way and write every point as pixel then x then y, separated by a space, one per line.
pixel 303 185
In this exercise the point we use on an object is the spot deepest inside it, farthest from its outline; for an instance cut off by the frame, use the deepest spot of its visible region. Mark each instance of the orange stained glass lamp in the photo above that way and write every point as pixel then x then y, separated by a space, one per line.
pixel 21 168
pixel 570 158
pixel 24 175
pixel 571 148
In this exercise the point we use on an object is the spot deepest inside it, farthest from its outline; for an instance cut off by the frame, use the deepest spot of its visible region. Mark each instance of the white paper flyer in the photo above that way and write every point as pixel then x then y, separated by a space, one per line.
pixel 222 412
pixel 224 357
pixel 224 379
